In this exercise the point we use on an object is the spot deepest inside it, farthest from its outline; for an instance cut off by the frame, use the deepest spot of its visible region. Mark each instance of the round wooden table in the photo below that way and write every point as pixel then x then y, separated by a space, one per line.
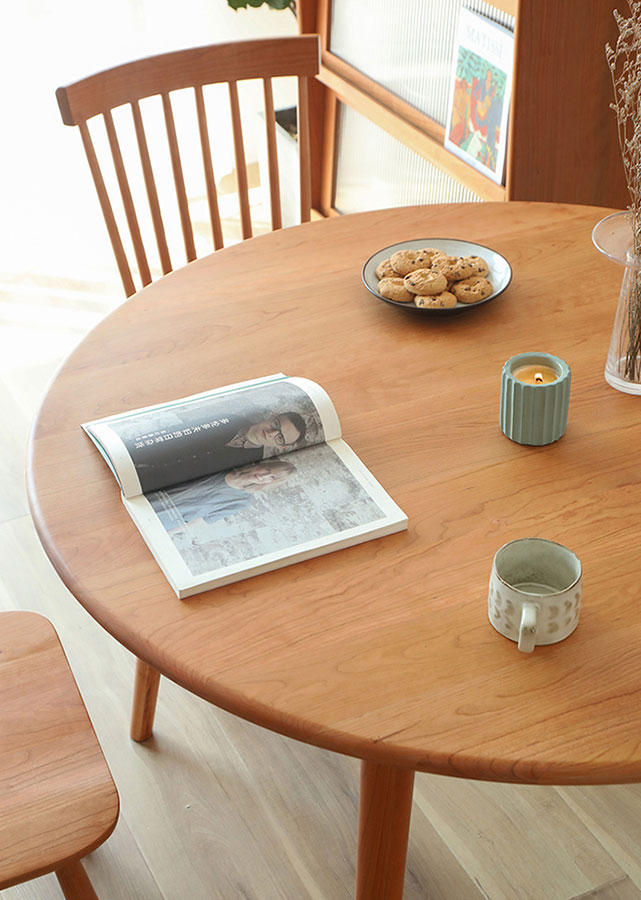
pixel 382 651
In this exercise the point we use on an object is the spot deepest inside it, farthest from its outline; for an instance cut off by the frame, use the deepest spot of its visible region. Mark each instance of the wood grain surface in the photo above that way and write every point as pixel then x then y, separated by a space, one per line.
pixel 382 651
pixel 57 798
pixel 554 151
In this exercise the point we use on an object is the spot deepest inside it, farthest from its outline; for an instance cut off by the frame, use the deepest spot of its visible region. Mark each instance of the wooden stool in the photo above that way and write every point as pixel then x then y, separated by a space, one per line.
pixel 58 801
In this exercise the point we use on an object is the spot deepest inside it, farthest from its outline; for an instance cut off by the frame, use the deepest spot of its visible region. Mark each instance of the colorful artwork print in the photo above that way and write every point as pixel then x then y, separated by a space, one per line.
pixel 480 88
pixel 477 108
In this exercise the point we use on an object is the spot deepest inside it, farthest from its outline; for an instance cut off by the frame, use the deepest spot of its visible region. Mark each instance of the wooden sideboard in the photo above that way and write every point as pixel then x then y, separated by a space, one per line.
pixel 562 142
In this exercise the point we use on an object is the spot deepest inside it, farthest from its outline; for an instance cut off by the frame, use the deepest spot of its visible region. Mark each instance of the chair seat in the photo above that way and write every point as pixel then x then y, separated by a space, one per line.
pixel 58 801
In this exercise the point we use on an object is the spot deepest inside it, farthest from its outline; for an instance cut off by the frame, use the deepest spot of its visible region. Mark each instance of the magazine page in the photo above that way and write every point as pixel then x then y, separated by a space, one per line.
pixel 215 431
pixel 231 525
pixel 476 127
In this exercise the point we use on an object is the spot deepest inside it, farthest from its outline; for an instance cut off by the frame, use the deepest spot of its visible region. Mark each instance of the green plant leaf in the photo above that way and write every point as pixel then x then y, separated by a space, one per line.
pixel 273 4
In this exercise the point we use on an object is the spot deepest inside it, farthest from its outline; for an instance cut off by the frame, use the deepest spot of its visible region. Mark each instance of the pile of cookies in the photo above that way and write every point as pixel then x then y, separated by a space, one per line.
pixel 431 278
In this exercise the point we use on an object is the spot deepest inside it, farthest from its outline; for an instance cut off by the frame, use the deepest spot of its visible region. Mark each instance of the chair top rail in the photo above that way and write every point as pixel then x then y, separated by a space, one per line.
pixel 212 64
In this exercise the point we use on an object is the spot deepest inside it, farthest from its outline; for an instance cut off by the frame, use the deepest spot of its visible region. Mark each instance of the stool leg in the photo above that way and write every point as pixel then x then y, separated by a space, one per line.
pixel 75 883
pixel 383 830
pixel 146 685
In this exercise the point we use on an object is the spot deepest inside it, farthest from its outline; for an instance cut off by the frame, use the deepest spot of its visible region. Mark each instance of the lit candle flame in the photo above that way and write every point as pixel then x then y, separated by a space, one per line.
pixel 537 374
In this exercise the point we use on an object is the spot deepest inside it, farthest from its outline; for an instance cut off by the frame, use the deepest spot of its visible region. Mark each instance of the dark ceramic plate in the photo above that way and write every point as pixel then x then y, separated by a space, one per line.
pixel 499 276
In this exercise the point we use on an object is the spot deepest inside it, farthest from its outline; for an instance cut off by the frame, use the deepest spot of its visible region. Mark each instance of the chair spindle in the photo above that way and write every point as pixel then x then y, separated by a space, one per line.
pixel 304 150
pixel 210 183
pixel 127 201
pixel 179 180
pixel 150 186
pixel 272 155
pixel 241 167
pixel 107 211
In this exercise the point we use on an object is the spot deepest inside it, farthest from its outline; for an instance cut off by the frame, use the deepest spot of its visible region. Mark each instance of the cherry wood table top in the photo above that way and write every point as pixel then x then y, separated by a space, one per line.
pixel 384 650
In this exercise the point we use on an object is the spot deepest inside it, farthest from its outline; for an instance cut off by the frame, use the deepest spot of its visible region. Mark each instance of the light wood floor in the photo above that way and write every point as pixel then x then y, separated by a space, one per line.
pixel 214 808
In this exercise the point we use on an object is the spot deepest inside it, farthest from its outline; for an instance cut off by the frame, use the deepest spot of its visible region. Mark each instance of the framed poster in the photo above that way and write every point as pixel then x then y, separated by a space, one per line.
pixel 480 88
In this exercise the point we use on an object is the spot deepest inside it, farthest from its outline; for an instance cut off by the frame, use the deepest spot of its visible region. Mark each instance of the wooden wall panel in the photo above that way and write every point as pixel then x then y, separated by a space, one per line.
pixel 563 141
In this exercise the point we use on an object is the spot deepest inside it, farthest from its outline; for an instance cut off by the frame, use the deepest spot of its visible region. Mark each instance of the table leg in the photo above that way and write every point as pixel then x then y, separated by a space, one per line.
pixel 143 708
pixel 75 883
pixel 383 830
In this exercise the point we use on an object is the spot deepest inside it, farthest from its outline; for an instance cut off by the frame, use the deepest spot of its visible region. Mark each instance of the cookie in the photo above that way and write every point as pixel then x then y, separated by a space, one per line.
pixel 393 289
pixel 433 253
pixel 455 268
pixel 472 290
pixel 444 300
pixel 479 264
pixel 420 275
pixel 385 270
pixel 406 261
pixel 425 281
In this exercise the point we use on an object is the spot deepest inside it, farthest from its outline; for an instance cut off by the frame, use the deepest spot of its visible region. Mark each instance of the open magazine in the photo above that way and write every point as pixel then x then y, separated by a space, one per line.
pixel 241 480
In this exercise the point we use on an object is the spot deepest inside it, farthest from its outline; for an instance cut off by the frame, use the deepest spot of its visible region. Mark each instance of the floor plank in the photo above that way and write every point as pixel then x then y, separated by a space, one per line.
pixel 613 815
pixel 625 889
pixel 515 842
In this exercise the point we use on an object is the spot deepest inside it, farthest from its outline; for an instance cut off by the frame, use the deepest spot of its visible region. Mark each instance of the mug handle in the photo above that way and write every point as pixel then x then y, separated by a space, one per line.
pixel 527 629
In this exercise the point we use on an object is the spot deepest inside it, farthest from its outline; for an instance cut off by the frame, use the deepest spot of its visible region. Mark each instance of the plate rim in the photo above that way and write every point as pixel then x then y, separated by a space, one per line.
pixel 460 307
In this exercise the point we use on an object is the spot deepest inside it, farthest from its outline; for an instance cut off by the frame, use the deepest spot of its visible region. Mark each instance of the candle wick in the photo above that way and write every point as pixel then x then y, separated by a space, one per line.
pixel 538 377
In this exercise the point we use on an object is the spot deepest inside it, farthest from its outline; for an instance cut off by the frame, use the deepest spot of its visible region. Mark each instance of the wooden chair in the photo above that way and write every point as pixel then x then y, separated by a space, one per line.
pixel 101 94
pixel 57 798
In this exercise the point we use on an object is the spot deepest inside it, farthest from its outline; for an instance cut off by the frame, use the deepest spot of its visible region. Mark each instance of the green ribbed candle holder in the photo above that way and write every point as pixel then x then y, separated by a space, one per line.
pixel 534 414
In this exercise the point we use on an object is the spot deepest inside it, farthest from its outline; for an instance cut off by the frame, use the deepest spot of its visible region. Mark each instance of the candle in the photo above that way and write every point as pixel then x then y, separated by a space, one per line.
pixel 535 393
pixel 537 374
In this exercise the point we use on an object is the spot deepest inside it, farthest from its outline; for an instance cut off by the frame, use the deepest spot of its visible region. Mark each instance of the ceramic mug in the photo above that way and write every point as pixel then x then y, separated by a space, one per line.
pixel 535 592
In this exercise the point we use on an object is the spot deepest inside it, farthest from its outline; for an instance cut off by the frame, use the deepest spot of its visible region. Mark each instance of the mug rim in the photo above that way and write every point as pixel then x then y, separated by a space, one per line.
pixel 527 593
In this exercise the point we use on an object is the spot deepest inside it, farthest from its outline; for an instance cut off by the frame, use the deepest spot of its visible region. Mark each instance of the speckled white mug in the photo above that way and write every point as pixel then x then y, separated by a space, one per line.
pixel 535 592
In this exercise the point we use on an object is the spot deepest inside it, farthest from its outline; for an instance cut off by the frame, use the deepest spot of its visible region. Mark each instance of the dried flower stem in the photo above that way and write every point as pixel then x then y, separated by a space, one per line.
pixel 624 62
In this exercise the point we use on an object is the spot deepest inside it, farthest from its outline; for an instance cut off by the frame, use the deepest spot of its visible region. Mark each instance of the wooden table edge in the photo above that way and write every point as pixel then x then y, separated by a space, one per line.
pixel 505 770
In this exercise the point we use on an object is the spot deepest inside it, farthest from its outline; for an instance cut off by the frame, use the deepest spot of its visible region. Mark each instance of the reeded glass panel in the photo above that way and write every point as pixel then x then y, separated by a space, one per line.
pixel 407 47
pixel 375 171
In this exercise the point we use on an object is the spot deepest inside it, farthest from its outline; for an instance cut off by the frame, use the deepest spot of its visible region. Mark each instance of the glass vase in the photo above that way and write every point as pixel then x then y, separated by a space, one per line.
pixel 613 236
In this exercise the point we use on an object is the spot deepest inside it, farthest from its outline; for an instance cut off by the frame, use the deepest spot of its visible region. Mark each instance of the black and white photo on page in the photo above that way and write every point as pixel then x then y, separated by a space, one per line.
pixel 214 432
pixel 263 508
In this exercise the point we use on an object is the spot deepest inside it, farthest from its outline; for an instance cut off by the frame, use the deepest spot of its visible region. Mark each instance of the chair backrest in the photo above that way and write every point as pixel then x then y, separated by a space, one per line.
pixel 159 76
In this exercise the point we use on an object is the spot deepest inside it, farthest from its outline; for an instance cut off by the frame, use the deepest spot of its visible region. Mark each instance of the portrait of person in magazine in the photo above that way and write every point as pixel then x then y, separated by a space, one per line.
pixel 219 444
pixel 262 508
pixel 206 500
